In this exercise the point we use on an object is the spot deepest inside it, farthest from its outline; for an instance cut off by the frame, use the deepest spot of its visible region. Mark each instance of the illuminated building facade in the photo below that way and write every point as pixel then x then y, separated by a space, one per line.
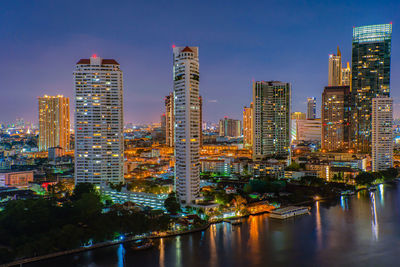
pixel 371 53
pixel 346 75
pixel 335 69
pixel 308 130
pixel 293 127
pixel 335 117
pixel 169 119
pixel 230 127
pixel 99 145
pixel 187 123
pixel 382 133
pixel 311 108
pixel 54 123
pixel 272 100
pixel 248 127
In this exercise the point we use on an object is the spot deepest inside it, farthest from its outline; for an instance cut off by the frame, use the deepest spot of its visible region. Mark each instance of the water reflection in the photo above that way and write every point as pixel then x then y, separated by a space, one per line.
pixel 213 246
pixel 318 225
pixel 178 253
pixel 374 221
pixel 121 255
pixel 344 203
pixel 162 253
pixel 381 189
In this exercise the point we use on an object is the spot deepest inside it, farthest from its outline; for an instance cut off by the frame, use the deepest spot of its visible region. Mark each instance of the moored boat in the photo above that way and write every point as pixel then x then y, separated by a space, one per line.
pixel 142 244
pixel 291 211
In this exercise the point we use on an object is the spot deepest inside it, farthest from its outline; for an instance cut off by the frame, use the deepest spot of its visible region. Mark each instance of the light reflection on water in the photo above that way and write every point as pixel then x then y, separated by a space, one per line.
pixel 354 231
pixel 374 217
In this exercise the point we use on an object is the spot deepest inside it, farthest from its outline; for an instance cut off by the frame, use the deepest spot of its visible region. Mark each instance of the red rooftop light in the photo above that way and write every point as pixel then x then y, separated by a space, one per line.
pixel 94 56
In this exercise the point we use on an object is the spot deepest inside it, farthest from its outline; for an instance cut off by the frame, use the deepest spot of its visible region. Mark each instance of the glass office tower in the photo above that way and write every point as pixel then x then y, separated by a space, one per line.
pixel 371 54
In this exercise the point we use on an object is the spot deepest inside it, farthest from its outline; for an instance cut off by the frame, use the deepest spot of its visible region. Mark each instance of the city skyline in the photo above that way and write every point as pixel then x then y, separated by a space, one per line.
pixel 146 54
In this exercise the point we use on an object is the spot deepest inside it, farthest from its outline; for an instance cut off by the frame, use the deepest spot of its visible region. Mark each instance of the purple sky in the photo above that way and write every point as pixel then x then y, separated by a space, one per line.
pixel 239 42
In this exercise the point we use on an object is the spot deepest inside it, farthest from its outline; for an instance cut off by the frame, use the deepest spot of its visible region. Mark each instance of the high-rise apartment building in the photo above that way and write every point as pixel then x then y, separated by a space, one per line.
pixel 99 144
pixel 54 123
pixel 346 75
pixel 272 101
pixel 248 126
pixel 230 127
pixel 335 69
pixel 370 76
pixel 382 133
pixel 335 117
pixel 169 120
pixel 201 121
pixel 187 123
pixel 311 108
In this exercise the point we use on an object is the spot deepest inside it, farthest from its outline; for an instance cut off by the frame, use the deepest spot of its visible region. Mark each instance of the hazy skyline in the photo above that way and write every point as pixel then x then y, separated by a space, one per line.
pixel 41 42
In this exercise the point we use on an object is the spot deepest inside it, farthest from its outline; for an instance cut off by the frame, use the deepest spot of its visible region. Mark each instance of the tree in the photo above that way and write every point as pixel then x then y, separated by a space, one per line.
pixel 364 178
pixel 171 203
pixel 83 188
pixel 389 174
pixel 293 167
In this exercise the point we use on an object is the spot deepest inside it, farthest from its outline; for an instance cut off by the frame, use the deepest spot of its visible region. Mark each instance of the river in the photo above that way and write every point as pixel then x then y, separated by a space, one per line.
pixel 362 230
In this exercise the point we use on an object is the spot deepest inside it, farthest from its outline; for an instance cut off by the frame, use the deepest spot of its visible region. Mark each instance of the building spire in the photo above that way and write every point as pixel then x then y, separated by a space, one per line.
pixel 338 52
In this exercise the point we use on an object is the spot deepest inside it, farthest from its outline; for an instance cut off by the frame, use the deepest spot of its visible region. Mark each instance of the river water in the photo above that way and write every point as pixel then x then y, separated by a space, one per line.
pixel 362 230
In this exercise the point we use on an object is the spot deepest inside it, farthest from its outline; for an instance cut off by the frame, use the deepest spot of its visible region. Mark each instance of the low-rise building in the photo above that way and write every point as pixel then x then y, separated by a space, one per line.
pixel 154 201
pixel 16 178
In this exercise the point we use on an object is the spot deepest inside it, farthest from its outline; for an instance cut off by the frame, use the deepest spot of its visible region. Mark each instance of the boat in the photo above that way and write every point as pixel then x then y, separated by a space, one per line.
pixel 142 244
pixel 347 193
pixel 291 211
pixel 236 222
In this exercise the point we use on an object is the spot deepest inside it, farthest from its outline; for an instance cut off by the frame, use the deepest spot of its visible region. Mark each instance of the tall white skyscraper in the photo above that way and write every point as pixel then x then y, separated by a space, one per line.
pixel 382 133
pixel 335 69
pixel 187 123
pixel 99 145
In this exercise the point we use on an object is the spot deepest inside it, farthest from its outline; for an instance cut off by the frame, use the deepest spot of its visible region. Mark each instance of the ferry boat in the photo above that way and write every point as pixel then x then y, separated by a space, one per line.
pixel 288 212
pixel 347 193
pixel 142 244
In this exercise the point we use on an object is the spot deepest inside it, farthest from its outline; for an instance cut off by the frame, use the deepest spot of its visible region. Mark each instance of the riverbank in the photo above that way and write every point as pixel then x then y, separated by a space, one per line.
pixel 101 245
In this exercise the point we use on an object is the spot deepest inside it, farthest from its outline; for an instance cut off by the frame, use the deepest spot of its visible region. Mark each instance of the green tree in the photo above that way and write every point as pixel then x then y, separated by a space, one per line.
pixel 171 203
pixel 83 188
pixel 364 178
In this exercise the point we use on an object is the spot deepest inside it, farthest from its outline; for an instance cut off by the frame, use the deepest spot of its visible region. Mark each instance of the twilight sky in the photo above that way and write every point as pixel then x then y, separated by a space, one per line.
pixel 239 41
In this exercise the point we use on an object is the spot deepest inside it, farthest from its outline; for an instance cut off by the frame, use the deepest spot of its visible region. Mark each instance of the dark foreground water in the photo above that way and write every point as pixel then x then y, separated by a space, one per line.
pixel 363 230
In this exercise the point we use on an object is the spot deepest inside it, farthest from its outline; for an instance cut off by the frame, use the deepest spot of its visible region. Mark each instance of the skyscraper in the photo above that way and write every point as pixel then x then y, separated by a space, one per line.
pixel 272 102
pixel 346 75
pixel 201 121
pixel 311 108
pixel 248 126
pixel 99 144
pixel 187 123
pixel 335 119
pixel 370 76
pixel 54 124
pixel 335 69
pixel 382 133
pixel 230 127
pixel 169 120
